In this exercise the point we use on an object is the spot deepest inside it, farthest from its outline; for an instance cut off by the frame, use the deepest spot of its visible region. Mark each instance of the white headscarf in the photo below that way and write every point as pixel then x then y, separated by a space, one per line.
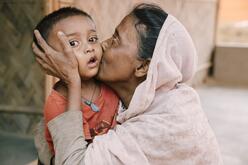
pixel 164 124
pixel 174 61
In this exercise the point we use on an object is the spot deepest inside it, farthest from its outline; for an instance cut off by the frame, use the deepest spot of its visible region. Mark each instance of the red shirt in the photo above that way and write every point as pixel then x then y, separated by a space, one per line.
pixel 94 123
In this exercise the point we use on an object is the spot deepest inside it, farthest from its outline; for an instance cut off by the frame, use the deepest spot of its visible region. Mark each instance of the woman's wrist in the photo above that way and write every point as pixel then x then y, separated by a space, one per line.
pixel 74 93
pixel 73 79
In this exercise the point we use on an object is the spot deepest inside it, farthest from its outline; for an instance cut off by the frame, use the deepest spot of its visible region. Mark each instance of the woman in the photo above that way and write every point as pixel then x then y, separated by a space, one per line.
pixel 146 62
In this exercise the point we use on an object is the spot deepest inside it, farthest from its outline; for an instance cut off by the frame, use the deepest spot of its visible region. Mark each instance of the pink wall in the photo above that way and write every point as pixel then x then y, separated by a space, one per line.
pixel 198 16
pixel 233 10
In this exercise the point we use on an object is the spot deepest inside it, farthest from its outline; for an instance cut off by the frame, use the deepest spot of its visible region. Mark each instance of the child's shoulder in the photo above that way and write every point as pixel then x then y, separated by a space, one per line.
pixel 56 102
pixel 109 95
pixel 61 88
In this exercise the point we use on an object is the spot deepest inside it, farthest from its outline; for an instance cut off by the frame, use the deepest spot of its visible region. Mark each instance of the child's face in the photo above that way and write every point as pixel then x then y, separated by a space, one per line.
pixel 82 36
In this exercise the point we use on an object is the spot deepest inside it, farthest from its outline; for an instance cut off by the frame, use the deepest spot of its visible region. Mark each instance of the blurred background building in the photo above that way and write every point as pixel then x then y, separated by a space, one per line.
pixel 219 29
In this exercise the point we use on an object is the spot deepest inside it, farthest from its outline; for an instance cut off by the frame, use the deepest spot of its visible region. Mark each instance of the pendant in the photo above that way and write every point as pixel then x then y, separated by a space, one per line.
pixel 93 106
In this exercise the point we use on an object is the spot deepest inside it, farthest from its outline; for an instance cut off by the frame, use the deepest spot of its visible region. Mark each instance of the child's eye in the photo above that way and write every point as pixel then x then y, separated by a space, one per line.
pixel 93 39
pixel 74 43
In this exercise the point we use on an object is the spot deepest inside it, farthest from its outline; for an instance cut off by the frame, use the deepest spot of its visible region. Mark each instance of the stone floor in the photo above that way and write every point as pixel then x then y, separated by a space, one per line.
pixel 226 108
pixel 227 111
pixel 16 150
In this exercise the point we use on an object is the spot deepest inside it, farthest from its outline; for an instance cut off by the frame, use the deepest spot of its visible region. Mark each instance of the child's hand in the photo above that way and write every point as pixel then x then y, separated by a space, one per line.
pixel 63 65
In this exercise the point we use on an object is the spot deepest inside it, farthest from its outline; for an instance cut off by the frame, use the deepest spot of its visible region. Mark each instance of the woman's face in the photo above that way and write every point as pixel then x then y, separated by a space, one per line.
pixel 120 53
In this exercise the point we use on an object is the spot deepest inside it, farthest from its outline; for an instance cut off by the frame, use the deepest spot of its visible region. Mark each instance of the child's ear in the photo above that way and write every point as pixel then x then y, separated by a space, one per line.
pixel 142 68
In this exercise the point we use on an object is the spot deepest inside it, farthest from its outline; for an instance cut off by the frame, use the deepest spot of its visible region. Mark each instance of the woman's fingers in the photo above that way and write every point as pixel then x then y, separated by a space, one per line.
pixel 40 54
pixel 59 64
pixel 42 42
pixel 41 63
pixel 46 68
pixel 37 51
pixel 44 61
pixel 64 41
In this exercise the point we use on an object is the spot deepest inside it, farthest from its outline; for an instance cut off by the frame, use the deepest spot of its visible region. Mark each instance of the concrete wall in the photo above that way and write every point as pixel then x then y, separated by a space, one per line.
pixel 198 16
pixel 233 21
pixel 230 64
pixel 233 10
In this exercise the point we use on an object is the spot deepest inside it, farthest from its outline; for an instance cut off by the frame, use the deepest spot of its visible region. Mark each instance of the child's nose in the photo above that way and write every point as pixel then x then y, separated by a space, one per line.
pixel 89 49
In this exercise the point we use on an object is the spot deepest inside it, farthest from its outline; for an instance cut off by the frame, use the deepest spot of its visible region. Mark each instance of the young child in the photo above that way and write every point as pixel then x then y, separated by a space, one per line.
pixel 99 103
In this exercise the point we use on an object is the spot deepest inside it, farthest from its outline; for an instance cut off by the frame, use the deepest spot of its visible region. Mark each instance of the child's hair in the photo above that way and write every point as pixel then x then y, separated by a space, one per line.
pixel 47 23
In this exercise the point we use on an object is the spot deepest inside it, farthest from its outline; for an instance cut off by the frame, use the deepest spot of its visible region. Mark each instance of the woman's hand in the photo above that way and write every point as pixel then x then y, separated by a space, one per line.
pixel 63 65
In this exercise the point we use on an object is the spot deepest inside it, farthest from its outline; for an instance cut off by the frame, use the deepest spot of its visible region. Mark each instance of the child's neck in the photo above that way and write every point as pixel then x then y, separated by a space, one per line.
pixel 90 89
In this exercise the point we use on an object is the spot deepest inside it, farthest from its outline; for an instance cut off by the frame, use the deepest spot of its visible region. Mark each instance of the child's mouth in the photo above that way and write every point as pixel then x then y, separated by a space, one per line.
pixel 92 62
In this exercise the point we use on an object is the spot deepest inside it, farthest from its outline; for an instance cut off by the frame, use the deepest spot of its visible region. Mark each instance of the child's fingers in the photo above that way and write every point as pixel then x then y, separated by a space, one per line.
pixel 42 42
pixel 65 44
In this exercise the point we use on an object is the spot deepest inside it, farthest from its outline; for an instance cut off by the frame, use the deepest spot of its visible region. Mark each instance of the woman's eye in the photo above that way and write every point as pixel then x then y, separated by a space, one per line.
pixel 93 39
pixel 74 43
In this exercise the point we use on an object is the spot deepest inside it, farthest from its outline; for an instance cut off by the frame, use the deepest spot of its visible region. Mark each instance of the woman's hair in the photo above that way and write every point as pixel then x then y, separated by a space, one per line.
pixel 149 20
pixel 47 23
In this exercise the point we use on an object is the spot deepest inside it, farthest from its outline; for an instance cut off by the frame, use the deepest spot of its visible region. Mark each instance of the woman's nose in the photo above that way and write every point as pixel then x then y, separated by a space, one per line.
pixel 105 44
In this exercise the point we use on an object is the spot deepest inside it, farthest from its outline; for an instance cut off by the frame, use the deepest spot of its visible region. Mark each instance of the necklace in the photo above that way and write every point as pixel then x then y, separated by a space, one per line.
pixel 90 103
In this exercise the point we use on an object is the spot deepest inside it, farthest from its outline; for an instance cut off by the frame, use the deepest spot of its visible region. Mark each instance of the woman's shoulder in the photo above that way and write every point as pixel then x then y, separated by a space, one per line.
pixel 182 91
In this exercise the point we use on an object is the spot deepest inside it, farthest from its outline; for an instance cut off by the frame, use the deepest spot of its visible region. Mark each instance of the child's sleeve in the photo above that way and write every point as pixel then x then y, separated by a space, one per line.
pixel 54 106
